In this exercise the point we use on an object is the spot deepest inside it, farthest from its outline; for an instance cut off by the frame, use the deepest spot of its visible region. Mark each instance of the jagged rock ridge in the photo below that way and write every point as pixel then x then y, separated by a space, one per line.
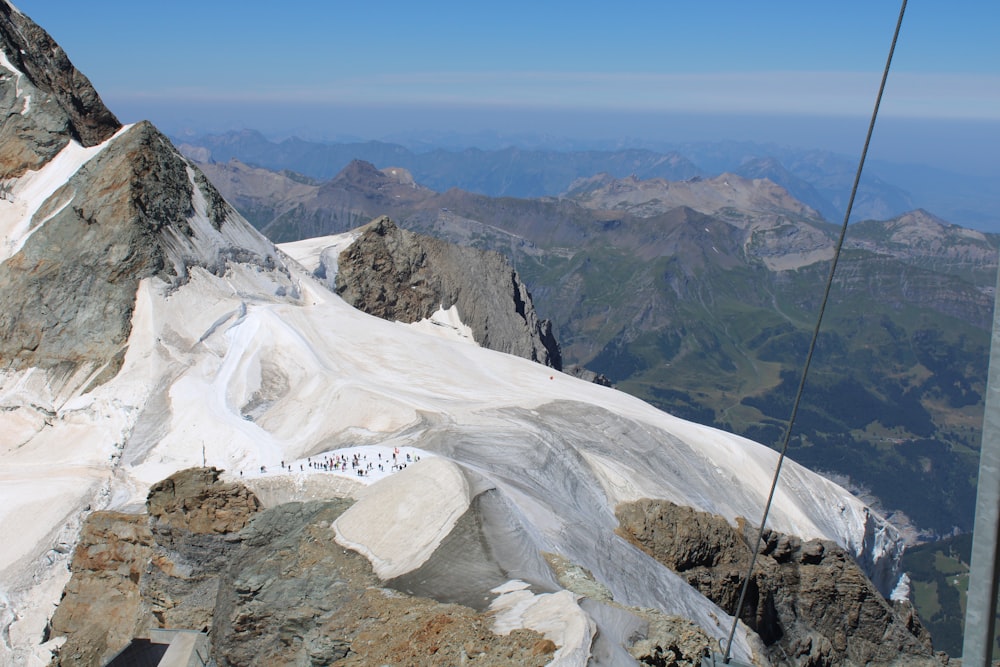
pixel 46 102
pixel 808 601
pixel 399 275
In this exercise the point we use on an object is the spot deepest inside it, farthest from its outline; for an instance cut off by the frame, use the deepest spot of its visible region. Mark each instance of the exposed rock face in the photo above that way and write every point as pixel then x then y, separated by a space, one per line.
pixel 809 602
pixel 133 572
pixel 67 296
pixel 271 587
pixel 100 611
pixel 128 209
pixel 192 515
pixel 196 501
pixel 399 275
pixel 47 103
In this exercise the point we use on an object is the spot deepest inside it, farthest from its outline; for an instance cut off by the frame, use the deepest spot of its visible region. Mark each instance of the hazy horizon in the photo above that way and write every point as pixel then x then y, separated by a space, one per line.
pixel 723 56
pixel 789 73
pixel 959 146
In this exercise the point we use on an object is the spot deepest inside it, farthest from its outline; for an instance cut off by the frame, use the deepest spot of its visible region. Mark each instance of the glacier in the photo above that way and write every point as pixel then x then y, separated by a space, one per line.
pixel 559 453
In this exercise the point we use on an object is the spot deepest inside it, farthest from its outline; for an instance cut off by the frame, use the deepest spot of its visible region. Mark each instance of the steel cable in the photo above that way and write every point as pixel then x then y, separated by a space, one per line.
pixel 755 547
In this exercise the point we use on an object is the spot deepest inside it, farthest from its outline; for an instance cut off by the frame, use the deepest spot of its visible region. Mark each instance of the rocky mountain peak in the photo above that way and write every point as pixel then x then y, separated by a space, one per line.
pixel 923 238
pixel 925 224
pixel 399 275
pixel 359 171
pixel 130 208
pixel 45 100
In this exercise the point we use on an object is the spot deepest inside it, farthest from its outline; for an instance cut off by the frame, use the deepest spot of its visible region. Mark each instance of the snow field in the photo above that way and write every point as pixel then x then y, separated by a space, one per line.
pixel 257 367
pixel 557 616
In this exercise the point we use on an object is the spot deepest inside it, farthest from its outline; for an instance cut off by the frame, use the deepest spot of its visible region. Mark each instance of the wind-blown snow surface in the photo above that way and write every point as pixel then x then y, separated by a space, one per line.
pixel 234 372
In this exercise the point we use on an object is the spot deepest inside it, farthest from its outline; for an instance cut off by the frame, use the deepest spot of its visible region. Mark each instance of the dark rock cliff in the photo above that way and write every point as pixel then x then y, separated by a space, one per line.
pixel 62 105
pixel 399 275
pixel 808 601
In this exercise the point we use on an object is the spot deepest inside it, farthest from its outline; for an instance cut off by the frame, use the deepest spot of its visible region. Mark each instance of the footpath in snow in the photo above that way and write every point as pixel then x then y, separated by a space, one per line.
pixel 366 464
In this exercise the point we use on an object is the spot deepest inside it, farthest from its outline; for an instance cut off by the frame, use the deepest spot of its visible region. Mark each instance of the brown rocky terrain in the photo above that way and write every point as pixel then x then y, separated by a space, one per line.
pixel 100 611
pixel 270 586
pixel 646 198
pixel 808 601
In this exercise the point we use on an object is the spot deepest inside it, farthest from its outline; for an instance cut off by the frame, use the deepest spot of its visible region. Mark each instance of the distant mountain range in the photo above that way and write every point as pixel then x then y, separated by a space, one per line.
pixel 699 295
pixel 820 179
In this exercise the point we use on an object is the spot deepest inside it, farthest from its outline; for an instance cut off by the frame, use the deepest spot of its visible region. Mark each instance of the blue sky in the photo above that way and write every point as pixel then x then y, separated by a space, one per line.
pixel 701 69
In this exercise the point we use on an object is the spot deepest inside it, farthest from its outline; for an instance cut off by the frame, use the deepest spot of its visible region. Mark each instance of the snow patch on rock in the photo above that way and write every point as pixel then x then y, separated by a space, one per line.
pixel 26 196
pixel 557 616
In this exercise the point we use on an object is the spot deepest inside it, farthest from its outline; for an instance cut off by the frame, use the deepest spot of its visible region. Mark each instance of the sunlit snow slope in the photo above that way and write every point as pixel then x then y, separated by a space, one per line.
pixel 223 371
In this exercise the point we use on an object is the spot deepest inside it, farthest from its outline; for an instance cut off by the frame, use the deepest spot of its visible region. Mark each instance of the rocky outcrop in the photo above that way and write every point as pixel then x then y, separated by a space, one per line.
pixel 46 102
pixel 270 587
pixel 192 516
pixel 135 210
pixel 399 275
pixel 196 502
pixel 162 569
pixel 87 211
pixel 100 611
pixel 808 601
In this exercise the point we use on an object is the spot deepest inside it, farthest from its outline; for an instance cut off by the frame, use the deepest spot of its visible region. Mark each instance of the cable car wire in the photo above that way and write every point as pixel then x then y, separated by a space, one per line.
pixel 755 547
